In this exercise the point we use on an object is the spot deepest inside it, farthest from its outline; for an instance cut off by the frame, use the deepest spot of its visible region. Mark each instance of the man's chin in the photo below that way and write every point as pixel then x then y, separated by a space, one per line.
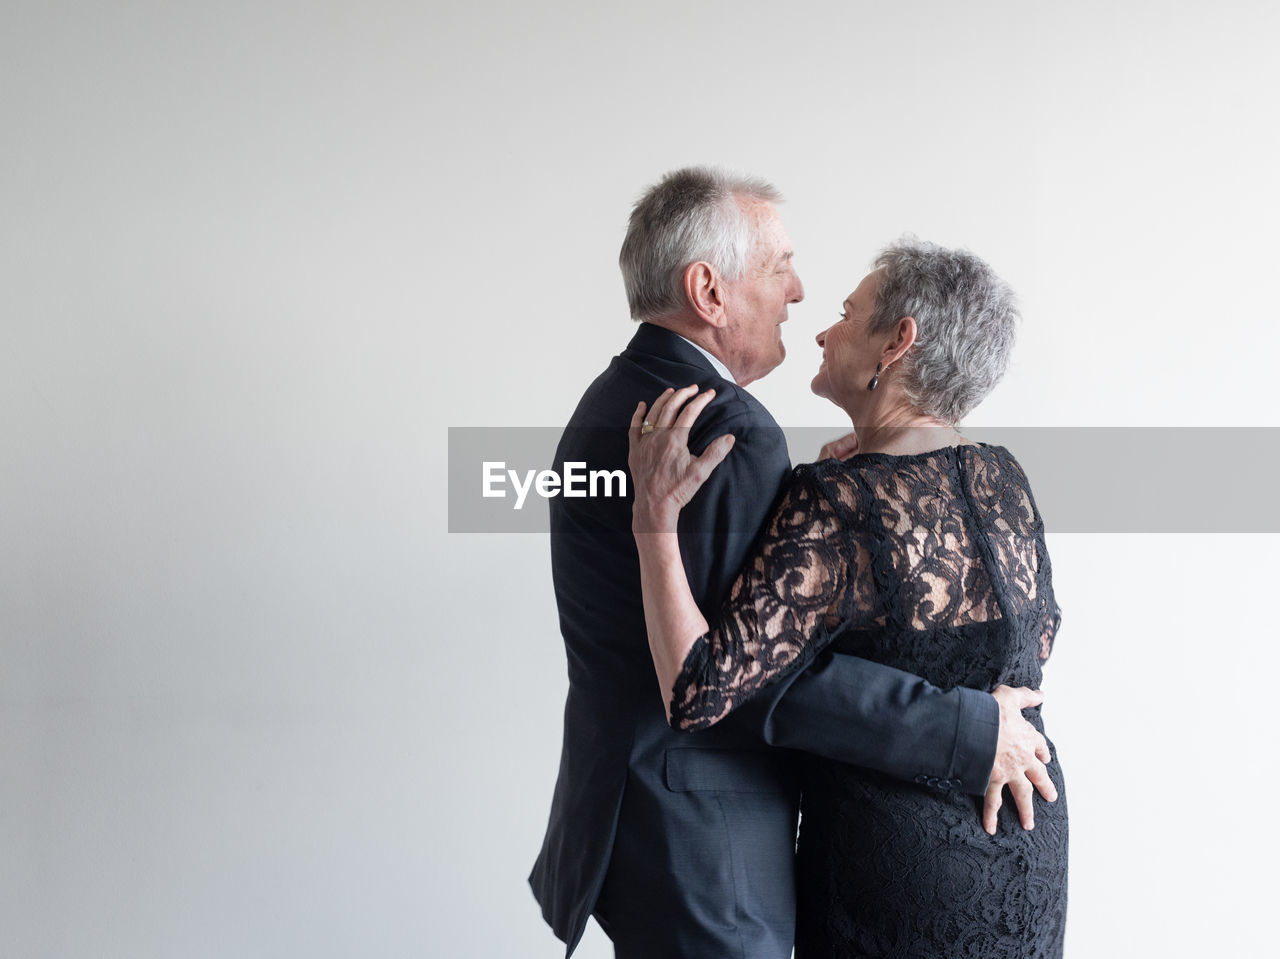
pixel 766 370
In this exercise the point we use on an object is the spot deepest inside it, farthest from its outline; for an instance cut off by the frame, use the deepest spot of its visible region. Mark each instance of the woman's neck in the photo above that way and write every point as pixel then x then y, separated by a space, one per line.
pixel 907 432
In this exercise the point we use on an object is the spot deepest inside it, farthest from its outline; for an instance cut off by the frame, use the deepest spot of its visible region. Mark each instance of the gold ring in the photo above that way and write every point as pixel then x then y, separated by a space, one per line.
pixel 646 427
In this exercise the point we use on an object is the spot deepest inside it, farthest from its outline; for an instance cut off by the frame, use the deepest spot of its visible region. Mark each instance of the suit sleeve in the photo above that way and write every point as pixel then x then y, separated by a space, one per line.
pixel 855 711
pixel 787 689
pixel 722 522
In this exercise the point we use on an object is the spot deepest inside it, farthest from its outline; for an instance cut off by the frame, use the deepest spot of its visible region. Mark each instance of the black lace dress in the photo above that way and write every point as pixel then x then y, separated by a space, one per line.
pixel 935 564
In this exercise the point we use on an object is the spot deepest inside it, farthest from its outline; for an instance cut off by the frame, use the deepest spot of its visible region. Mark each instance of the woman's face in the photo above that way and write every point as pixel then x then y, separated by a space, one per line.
pixel 848 356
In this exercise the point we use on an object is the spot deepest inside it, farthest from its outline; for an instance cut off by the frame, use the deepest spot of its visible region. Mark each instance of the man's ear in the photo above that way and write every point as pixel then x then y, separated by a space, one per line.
pixel 904 337
pixel 705 293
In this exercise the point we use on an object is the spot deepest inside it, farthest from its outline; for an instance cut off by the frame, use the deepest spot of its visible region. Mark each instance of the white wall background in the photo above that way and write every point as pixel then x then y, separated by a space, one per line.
pixel 257 256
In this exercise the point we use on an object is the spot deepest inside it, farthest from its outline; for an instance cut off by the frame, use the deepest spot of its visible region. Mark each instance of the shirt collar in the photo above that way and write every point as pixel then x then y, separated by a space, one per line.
pixel 714 361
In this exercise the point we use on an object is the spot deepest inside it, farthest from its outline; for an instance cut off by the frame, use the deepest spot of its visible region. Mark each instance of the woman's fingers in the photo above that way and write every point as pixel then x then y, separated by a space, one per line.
pixel 659 408
pixel 637 421
pixel 714 455
pixel 670 401
pixel 672 408
pixel 693 408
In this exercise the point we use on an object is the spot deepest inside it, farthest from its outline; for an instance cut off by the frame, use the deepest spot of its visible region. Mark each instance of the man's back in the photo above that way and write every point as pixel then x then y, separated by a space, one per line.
pixel 668 810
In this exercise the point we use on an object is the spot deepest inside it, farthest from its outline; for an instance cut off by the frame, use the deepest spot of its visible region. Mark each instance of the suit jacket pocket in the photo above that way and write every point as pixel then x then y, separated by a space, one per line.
pixel 727 770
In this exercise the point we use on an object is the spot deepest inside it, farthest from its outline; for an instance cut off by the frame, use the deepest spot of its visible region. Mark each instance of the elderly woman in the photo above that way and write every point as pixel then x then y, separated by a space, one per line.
pixel 923 551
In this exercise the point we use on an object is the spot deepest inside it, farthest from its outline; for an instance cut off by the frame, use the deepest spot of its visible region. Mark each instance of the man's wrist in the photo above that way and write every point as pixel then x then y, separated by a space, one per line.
pixel 977 733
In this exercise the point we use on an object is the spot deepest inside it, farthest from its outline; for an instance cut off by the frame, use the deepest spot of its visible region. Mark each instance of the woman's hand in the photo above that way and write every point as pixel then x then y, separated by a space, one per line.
pixel 665 474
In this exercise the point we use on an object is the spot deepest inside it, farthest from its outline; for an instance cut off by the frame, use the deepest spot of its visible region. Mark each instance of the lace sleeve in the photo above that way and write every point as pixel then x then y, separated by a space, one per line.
pixel 1050 614
pixel 780 612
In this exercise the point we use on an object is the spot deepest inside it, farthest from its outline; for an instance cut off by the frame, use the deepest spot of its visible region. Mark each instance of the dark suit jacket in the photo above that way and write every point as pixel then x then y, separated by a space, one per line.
pixel 615 732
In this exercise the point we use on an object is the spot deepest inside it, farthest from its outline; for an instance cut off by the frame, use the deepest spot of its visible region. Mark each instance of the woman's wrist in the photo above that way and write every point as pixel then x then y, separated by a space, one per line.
pixel 654 517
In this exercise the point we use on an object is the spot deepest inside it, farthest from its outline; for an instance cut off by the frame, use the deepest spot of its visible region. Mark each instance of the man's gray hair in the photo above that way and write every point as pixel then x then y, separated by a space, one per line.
pixel 690 215
pixel 965 317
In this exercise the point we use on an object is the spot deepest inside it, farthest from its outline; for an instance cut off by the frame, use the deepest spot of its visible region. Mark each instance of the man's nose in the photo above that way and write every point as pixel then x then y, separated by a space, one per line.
pixel 822 338
pixel 797 294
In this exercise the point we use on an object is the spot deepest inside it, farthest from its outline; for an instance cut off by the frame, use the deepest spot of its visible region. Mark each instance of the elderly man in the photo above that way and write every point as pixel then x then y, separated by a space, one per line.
pixel 681 844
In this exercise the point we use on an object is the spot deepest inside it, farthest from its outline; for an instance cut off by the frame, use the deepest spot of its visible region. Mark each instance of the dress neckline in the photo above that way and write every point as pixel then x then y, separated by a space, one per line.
pixel 907 457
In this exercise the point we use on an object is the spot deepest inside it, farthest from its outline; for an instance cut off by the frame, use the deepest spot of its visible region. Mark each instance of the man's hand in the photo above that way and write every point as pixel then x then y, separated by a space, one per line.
pixel 840 449
pixel 1021 754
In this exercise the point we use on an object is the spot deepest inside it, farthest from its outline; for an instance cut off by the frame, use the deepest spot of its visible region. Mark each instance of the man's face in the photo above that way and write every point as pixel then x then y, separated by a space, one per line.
pixel 755 304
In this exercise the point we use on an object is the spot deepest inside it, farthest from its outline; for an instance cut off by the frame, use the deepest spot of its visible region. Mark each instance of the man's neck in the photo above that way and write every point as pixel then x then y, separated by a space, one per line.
pixel 691 336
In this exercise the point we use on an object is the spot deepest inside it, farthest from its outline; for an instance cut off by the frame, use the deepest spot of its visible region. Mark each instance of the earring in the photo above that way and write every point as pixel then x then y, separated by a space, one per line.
pixel 875 380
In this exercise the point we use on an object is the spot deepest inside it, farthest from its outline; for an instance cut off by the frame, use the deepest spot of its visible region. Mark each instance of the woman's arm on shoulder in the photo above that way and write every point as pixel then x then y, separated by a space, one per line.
pixel 778 606
pixel 780 612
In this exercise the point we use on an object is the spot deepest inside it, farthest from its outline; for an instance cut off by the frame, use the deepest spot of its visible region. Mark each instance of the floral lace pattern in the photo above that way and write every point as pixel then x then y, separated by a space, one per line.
pixel 935 564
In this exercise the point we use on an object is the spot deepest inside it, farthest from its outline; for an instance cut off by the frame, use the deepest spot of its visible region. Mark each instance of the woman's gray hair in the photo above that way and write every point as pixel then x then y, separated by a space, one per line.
pixel 965 317
pixel 690 215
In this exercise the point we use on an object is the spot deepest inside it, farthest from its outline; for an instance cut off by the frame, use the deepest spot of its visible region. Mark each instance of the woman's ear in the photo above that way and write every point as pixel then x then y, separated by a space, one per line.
pixel 704 290
pixel 904 337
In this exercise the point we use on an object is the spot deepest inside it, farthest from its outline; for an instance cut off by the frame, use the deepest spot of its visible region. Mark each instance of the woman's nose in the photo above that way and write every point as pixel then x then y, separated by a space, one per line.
pixel 822 338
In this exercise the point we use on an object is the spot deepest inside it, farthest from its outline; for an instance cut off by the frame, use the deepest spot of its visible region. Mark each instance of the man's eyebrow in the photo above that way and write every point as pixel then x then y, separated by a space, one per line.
pixel 787 255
